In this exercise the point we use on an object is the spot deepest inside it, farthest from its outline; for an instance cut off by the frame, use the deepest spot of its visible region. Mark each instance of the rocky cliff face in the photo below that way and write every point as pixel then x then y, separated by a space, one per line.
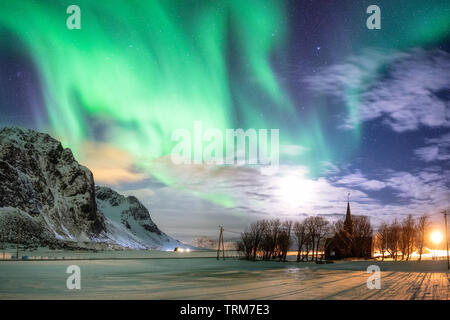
pixel 16 224
pixel 54 199
pixel 129 213
pixel 43 179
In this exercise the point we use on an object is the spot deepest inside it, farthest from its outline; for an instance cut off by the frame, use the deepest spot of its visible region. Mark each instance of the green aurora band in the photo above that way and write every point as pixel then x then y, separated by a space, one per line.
pixel 144 66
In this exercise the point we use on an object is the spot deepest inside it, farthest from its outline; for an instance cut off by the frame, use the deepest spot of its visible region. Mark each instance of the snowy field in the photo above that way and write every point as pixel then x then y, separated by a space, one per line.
pixel 207 278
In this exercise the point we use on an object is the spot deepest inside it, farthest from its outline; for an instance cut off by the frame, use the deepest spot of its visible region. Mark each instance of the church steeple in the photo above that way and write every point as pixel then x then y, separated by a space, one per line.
pixel 348 222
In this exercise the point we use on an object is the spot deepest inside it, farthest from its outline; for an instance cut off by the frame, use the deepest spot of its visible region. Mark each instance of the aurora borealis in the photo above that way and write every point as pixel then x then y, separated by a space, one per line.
pixel 141 64
pixel 344 98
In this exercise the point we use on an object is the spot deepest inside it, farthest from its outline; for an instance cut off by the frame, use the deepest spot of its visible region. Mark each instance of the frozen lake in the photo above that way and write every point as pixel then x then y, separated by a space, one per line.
pixel 206 278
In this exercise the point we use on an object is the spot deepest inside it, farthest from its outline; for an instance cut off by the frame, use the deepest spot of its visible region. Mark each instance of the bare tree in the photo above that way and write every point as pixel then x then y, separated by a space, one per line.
pixel 311 230
pixel 256 231
pixel 322 228
pixel 269 241
pixel 393 239
pixel 250 240
pixel 407 237
pixel 240 246
pixel 421 229
pixel 284 239
pixel 267 238
pixel 274 228
pixel 245 244
pixel 301 238
pixel 362 236
pixel 381 239
pixel 266 241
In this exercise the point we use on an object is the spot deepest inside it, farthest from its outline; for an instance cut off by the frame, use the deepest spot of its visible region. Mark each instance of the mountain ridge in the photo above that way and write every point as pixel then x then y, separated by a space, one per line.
pixel 55 200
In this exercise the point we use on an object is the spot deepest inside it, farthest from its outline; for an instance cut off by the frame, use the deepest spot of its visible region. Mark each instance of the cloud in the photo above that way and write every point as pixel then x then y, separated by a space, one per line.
pixel 292 150
pixel 194 201
pixel 438 149
pixel 421 186
pixel 109 164
pixel 357 72
pixel 358 180
pixel 426 184
pixel 143 194
pixel 328 168
pixel 405 90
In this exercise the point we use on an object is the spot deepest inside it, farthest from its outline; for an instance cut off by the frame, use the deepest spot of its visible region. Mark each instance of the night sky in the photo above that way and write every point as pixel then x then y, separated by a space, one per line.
pixel 360 111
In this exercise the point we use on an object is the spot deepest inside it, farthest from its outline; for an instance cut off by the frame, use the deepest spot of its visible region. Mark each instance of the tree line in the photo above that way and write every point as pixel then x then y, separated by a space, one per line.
pixel 400 239
pixel 272 239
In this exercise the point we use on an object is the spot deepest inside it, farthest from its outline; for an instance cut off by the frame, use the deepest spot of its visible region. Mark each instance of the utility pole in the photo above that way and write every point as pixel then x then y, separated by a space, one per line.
pixel 223 247
pixel 221 243
pixel 18 240
pixel 446 237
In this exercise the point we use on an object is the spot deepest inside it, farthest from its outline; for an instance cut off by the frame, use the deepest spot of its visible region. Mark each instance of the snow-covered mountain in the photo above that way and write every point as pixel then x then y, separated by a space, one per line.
pixel 53 199
pixel 127 213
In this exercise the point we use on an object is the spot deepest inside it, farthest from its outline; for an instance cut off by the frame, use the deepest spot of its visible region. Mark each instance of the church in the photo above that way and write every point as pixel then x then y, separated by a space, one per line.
pixel 347 242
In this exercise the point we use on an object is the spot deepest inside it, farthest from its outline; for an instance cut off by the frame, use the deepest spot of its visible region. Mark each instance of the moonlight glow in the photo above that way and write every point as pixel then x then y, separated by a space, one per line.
pixel 295 190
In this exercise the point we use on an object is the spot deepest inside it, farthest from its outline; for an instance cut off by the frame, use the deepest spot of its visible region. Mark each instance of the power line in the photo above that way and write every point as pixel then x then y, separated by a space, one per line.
pixel 232 231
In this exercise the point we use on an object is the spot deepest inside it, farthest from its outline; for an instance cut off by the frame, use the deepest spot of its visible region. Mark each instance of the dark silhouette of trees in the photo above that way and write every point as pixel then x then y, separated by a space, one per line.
pixel 301 237
pixel 268 239
pixel 284 240
pixel 362 231
pixel 256 234
pixel 404 238
pixel 322 228
pixel 272 239
pixel 407 237
pixel 381 239
pixel 393 239
pixel 311 229
pixel 261 238
pixel 421 229
pixel 245 245
pixel 272 234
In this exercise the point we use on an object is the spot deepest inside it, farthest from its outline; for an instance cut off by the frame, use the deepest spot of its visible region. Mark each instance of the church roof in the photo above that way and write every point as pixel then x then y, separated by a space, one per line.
pixel 348 216
pixel 348 223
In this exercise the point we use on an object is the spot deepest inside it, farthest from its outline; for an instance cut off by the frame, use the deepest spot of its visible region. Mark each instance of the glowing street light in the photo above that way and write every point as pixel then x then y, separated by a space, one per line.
pixel 436 237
